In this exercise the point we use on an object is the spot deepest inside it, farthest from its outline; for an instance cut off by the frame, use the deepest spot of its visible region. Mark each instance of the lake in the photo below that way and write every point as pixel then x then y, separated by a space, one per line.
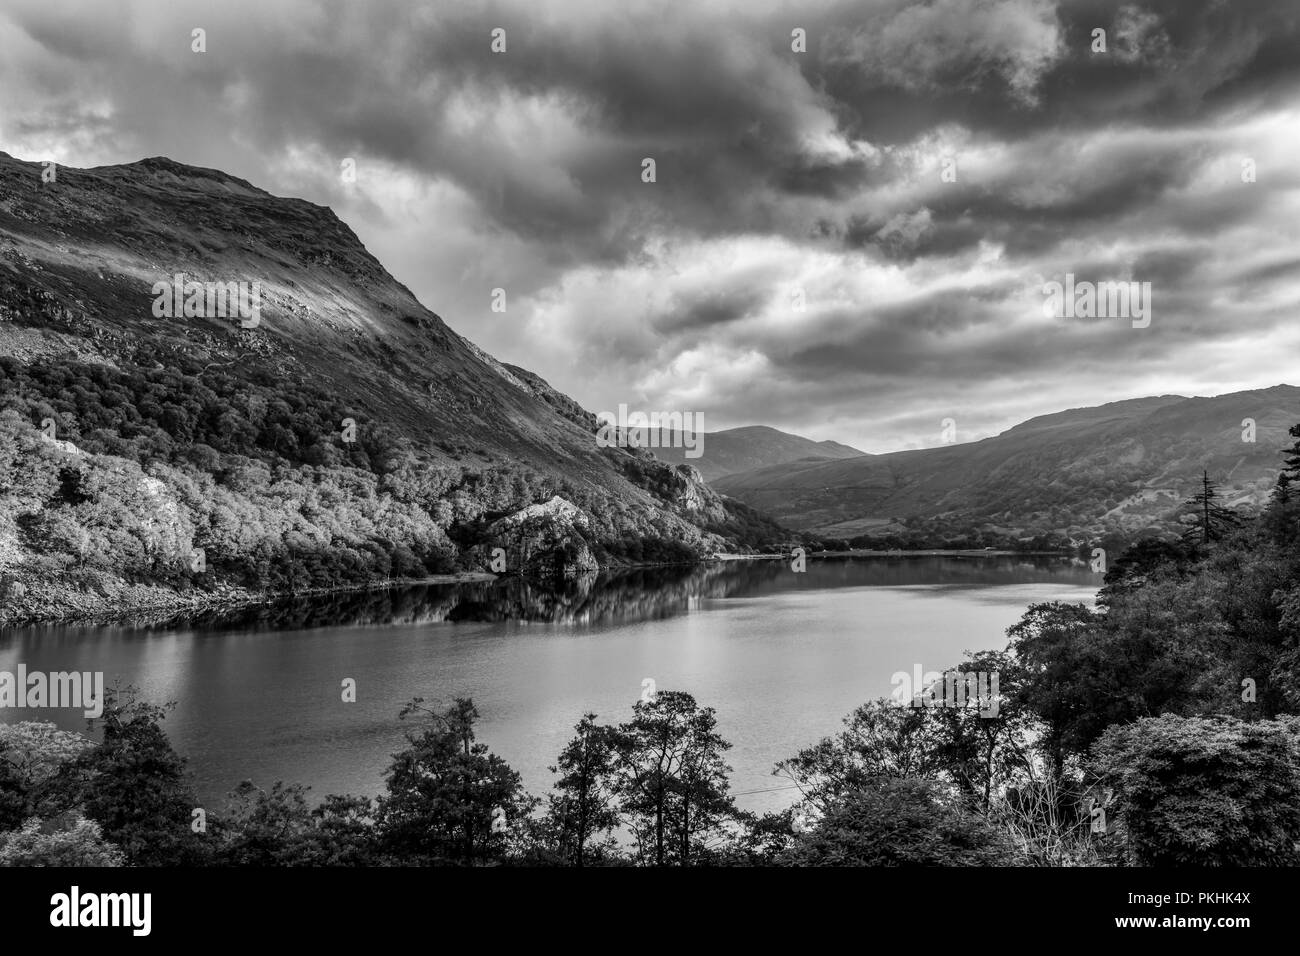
pixel 781 656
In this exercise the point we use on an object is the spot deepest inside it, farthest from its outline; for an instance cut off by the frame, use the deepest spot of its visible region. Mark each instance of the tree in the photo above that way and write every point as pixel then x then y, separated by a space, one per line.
pixel 880 739
pixel 1204 791
pixel 67 840
pixel 979 747
pixel 1282 517
pixel 277 828
pixel 133 785
pixel 671 780
pixel 582 810
pixel 32 757
pixel 761 838
pixel 900 822
pixel 1137 563
pixel 345 831
pixel 261 828
pixel 1044 641
pixel 449 800
pixel 1290 473
pixel 1211 521
pixel 1083 671
pixel 974 746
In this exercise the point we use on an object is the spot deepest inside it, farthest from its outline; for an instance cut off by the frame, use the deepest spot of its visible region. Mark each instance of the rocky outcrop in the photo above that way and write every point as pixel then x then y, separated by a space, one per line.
pixel 544 541
pixel 693 494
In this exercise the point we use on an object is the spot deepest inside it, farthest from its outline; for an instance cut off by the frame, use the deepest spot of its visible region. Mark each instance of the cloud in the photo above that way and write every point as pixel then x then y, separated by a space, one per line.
pixel 936 47
pixel 817 173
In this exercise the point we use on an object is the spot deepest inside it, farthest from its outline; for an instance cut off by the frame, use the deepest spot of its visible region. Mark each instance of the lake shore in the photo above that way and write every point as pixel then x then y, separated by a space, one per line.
pixel 920 553
pixel 114 601
pixel 109 600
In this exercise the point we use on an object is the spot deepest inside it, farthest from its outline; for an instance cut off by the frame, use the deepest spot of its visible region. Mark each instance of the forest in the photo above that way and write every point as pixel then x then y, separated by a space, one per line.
pixel 1161 727
pixel 124 474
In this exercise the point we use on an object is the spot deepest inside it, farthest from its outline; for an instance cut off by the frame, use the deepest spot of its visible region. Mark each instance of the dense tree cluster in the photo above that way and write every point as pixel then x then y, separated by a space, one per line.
pixel 934 534
pixel 128 472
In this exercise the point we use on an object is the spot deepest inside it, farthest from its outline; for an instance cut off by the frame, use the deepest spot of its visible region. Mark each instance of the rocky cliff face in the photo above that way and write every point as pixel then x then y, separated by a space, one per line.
pixel 546 541
pixel 693 494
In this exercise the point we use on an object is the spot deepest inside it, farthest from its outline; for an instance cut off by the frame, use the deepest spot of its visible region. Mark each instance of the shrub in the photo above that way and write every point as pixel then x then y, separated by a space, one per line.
pixel 66 840
pixel 907 822
pixel 1208 791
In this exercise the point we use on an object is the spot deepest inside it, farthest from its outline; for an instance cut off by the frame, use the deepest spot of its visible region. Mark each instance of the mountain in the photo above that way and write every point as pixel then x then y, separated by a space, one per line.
pixel 734 450
pixel 334 432
pixel 1120 467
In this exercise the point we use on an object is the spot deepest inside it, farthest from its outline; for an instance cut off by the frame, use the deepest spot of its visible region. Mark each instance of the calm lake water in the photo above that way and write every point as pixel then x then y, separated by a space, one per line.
pixel 781 656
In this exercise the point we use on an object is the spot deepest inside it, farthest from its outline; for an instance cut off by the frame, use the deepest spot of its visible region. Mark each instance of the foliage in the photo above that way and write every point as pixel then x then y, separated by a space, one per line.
pixel 1204 791
pixel 149 465
pixel 671 781
pixel 133 785
pixel 448 799
pixel 1085 671
pixel 67 840
pixel 1290 474
pixel 1136 564
pixel 32 755
pixel 880 740
pixel 279 828
pixel 901 822
pixel 1210 521
pixel 581 810
pixel 1045 819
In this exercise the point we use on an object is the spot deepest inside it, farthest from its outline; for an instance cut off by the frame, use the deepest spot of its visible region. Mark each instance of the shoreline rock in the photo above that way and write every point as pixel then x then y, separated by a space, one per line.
pixel 543 541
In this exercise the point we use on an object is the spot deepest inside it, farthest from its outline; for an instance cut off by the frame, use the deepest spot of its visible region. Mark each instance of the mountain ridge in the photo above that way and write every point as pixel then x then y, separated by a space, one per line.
pixel 1079 473
pixel 733 450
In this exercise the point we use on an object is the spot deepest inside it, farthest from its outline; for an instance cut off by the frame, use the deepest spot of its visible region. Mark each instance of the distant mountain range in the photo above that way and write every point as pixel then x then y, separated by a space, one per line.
pixel 734 450
pixel 1123 466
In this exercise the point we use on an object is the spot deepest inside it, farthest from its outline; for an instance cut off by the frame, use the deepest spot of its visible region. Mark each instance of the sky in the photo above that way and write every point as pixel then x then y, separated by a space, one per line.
pixel 855 206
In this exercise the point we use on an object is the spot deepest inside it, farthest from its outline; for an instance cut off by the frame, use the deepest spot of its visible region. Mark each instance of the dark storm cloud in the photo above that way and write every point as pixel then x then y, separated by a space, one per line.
pixel 689 314
pixel 1166 60
pixel 1287 269
pixel 728 111
pixel 779 175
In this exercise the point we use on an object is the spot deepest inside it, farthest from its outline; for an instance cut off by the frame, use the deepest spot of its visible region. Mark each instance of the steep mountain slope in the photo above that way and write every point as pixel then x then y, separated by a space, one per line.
pixel 734 450
pixel 1121 466
pixel 347 433
pixel 78 258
